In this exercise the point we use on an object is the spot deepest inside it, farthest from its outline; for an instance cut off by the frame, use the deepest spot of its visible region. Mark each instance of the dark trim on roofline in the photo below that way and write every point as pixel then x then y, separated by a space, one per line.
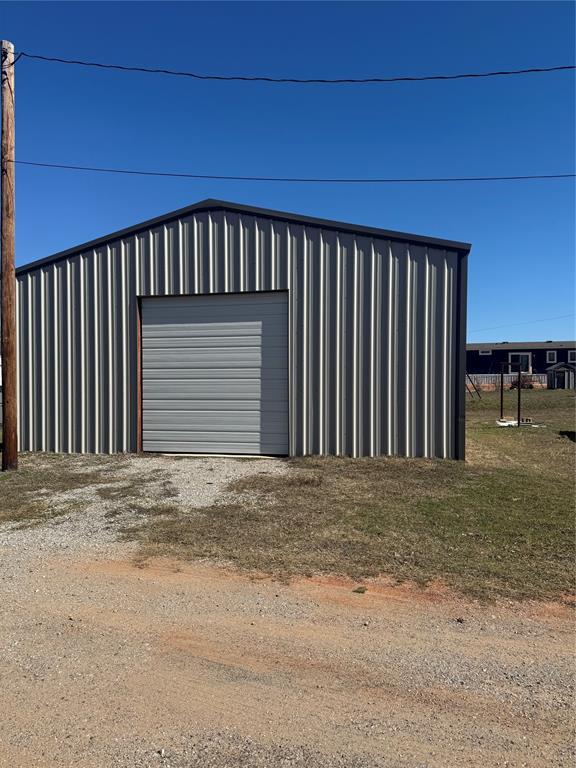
pixel 513 345
pixel 222 205
pixel 460 371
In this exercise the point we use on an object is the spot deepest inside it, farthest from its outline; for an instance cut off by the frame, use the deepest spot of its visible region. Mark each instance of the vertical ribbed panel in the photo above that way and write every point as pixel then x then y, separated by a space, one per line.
pixel 375 348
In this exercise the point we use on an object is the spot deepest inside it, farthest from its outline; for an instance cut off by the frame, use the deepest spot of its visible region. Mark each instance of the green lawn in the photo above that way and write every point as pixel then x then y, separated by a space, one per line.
pixel 499 525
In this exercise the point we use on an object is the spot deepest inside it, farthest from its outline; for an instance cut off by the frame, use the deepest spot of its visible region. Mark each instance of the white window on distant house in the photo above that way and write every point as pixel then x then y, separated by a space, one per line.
pixel 572 355
pixel 551 356
pixel 524 359
pixel 485 352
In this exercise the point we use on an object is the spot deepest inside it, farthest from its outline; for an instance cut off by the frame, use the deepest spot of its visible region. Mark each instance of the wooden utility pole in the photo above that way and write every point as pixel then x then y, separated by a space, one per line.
pixel 7 274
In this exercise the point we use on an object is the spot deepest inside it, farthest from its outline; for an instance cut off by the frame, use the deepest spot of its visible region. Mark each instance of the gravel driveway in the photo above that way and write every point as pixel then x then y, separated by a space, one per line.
pixel 104 663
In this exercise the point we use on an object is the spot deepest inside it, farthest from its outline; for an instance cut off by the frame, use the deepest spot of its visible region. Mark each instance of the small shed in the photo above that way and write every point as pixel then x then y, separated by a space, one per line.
pixel 561 376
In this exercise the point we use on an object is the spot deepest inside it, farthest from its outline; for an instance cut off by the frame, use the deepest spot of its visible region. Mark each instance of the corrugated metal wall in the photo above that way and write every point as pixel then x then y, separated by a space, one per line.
pixel 376 333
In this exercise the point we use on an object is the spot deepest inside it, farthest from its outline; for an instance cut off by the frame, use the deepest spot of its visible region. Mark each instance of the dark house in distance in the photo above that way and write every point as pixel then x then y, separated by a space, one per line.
pixel 533 356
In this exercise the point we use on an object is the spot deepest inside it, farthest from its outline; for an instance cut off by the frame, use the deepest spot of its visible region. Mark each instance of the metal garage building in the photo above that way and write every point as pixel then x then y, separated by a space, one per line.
pixel 222 328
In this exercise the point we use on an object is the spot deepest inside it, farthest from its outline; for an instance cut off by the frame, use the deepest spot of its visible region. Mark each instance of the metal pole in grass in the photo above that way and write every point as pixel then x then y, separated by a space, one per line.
pixel 519 390
pixel 501 391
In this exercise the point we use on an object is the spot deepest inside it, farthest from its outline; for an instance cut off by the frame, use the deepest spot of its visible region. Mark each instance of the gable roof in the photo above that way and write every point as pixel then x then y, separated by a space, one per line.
pixel 562 367
pixel 223 205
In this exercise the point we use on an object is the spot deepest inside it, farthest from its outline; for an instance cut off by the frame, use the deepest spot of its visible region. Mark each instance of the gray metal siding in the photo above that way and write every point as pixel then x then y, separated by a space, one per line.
pixel 375 343
pixel 215 373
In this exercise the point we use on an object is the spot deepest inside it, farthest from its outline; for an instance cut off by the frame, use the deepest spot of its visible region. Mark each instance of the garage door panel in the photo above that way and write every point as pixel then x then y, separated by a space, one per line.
pixel 188 361
pixel 206 317
pixel 156 345
pixel 223 332
pixel 191 388
pixel 184 401
pixel 215 373
pixel 209 331
pixel 154 407
pixel 195 378
pixel 246 421
pixel 198 342
pixel 253 448
pixel 220 437
pixel 222 422
pixel 182 373
pixel 208 373
pixel 206 311
pixel 202 358
pixel 226 387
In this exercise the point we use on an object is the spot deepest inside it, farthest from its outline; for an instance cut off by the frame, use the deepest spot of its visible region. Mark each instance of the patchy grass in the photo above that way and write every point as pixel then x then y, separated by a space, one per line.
pixel 499 525
pixel 44 485
pixel 27 496
pixel 552 407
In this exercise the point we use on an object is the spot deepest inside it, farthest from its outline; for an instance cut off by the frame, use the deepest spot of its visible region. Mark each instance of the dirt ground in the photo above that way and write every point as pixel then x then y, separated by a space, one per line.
pixel 107 663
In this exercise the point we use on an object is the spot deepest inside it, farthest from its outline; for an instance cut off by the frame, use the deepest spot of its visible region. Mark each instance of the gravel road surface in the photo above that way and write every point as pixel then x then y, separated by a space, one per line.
pixel 106 663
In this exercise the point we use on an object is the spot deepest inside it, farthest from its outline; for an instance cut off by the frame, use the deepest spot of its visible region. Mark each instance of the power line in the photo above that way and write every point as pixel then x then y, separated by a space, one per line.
pixel 295 80
pixel 524 322
pixel 295 179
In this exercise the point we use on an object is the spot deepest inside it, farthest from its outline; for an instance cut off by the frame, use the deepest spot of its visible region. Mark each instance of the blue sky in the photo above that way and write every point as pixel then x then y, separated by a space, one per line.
pixel 522 263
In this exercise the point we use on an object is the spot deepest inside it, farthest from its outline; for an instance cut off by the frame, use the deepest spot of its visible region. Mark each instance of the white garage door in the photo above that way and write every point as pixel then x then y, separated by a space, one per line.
pixel 215 373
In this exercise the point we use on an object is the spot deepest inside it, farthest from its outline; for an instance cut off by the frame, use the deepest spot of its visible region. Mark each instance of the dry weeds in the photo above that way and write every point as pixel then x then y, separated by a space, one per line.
pixel 501 525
